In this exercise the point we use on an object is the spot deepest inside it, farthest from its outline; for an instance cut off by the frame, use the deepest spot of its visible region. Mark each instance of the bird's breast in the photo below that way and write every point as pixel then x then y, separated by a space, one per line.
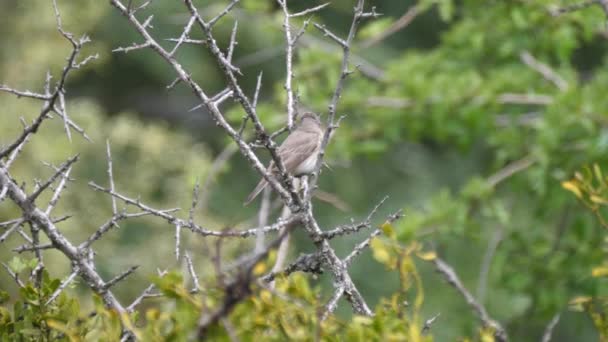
pixel 307 166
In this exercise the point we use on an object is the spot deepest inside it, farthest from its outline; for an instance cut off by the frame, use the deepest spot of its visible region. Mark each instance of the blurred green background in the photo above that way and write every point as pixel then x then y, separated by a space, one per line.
pixel 427 124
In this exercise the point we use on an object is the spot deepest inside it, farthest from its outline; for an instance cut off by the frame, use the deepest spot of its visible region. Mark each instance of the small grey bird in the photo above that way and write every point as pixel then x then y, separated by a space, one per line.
pixel 298 152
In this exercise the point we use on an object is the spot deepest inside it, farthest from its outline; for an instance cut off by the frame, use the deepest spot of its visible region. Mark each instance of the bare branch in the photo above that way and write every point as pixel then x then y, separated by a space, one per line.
pixel 178 230
pixel 333 303
pixel 58 190
pixel 309 263
pixel 65 117
pixel 233 42
pixel 25 93
pixel 62 169
pixel 222 13
pixel 9 231
pixel 543 69
pixel 525 99
pixel 197 286
pixel 291 110
pixel 283 249
pixel 133 47
pixel 111 223
pixel 361 246
pixel 194 227
pixel 484 271
pixel 511 169
pixel 145 294
pixel 353 228
pixel 263 214
pixel 573 7
pixel 28 248
pixel 427 324
pixel 13 275
pixel 452 278
pixel 111 176
pixel 397 26
pixel 184 35
pixel 33 128
pixel 550 327
pixel 121 276
pixel 331 35
pixel 62 286
pixel 309 10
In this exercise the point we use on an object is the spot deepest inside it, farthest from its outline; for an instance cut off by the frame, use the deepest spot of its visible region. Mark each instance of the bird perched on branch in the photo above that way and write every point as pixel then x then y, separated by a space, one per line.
pixel 299 151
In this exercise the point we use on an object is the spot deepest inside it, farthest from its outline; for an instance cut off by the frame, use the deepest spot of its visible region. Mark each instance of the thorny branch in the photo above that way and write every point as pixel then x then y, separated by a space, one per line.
pixel 452 278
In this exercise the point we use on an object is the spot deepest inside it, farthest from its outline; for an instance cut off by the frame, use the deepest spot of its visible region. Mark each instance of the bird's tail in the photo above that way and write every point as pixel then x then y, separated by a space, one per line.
pixel 261 185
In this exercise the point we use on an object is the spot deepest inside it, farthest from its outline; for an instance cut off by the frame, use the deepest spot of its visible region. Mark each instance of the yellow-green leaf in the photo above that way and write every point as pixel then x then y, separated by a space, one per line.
pixel 598 199
pixel 573 187
pixel 600 271
pixel 387 229
pixel 427 256
pixel 259 268
pixel 380 251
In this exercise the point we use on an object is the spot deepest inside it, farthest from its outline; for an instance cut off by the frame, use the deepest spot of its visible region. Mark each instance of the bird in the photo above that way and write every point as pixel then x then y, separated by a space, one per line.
pixel 299 151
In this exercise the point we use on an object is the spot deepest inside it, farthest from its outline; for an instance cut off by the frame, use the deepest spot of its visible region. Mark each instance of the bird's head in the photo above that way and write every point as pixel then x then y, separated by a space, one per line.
pixel 310 118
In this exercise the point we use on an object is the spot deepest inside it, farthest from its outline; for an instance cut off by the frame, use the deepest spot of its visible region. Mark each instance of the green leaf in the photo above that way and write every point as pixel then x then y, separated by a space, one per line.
pixel 17 265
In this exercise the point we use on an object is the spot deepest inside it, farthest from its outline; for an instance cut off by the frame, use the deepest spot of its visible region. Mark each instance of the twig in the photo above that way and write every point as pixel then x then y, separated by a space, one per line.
pixel 144 294
pixel 223 13
pixel 9 231
pixel 165 214
pixel 550 327
pixel 525 99
pixel 121 276
pixel 24 93
pixel 283 249
pixel 543 69
pixel 309 263
pixel 263 214
pixel 482 283
pixel 63 168
pixel 288 65
pixel 233 42
pixel 510 170
pixel 361 246
pixel 332 304
pixel 452 278
pixel 62 286
pixel 27 248
pixel 427 324
pixel 397 26
pixel 353 228
pixel 13 275
pixel 308 10
pixel 573 7
pixel 197 286
pixel 178 230
pixel 58 190
pixel 110 176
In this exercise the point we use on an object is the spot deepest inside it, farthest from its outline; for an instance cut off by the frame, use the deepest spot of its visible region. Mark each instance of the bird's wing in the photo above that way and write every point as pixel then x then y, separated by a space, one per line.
pixel 297 148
